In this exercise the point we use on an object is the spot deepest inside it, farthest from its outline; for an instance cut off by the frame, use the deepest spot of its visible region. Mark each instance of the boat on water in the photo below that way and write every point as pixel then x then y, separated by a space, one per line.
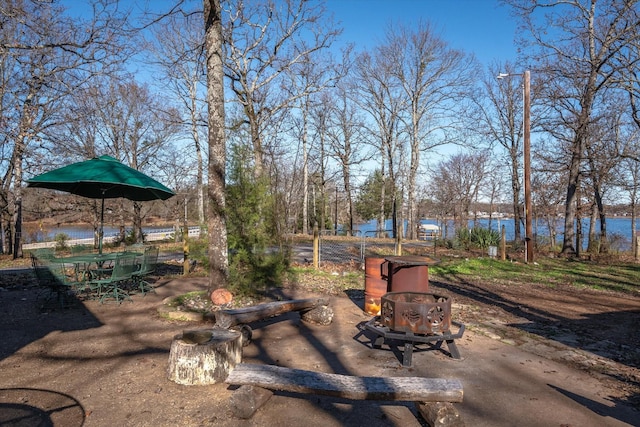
pixel 428 231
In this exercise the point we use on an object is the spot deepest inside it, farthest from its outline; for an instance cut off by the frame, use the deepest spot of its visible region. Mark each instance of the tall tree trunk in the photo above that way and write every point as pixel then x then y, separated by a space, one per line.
pixel 413 172
pixel 305 177
pixel 571 201
pixel 17 204
pixel 604 243
pixel 200 173
pixel 26 122
pixel 578 225
pixel 137 222
pixel 218 253
pixel 633 224
pixel 593 245
pixel 347 189
pixel 381 214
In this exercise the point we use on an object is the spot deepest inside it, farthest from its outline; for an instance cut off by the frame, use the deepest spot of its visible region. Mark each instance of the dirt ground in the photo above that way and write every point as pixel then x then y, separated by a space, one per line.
pixel 531 356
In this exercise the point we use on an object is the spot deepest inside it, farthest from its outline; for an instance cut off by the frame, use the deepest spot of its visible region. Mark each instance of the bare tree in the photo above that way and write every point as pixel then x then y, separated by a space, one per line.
pixel 628 179
pixel 498 119
pixel 431 77
pixel 122 119
pixel 456 182
pixel 264 40
pixel 178 50
pixel 49 55
pixel 577 59
pixel 379 97
pixel 548 200
pixel 603 149
pixel 346 140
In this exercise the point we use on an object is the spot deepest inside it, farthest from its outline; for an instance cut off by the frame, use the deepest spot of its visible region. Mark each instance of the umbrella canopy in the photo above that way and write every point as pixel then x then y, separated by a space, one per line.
pixel 102 178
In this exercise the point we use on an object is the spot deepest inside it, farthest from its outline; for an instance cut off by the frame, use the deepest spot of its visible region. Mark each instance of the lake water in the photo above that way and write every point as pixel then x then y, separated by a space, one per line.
pixel 78 232
pixel 618 228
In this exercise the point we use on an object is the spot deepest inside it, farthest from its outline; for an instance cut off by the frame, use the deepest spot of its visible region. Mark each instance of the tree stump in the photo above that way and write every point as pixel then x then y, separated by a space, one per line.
pixel 204 356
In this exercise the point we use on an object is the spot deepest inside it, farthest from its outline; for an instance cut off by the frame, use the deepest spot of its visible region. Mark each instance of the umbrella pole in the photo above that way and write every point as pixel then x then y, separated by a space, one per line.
pixel 101 232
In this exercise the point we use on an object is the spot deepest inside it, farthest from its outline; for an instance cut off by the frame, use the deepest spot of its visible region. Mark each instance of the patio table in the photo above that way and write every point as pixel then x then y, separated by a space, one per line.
pixel 93 264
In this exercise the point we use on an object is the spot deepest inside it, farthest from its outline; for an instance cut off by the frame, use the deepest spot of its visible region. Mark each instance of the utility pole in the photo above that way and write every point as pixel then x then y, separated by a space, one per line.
pixel 528 214
pixel 528 239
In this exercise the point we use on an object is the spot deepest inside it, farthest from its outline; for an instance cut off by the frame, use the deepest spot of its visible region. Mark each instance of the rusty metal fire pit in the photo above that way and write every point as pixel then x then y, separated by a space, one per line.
pixel 415 317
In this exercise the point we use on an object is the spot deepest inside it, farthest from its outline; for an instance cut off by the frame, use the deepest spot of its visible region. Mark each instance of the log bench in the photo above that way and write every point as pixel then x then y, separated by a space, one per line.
pixel 310 309
pixel 433 396
pixel 347 386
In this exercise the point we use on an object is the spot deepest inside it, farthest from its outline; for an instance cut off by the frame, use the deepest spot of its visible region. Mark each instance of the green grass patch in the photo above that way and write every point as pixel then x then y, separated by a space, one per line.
pixel 619 276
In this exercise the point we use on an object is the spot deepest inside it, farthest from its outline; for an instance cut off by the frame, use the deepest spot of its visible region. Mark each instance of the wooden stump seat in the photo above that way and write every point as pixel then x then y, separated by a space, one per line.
pixel 204 356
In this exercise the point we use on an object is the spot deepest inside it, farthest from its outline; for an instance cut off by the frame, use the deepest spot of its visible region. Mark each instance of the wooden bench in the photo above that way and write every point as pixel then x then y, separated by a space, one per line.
pixel 433 397
pixel 346 386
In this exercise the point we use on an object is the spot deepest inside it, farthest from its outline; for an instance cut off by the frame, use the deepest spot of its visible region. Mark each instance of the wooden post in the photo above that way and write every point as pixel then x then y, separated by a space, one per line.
pixel 503 244
pixel 204 356
pixel 316 246
pixel 398 237
pixel 185 263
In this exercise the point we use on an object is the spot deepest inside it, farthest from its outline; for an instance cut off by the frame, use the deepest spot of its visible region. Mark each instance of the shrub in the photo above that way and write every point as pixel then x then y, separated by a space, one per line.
pixel 198 251
pixel 62 240
pixel 477 237
pixel 249 273
pixel 484 237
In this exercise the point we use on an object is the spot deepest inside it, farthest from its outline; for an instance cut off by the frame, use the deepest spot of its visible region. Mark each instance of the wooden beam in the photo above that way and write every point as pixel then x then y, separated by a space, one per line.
pixel 346 386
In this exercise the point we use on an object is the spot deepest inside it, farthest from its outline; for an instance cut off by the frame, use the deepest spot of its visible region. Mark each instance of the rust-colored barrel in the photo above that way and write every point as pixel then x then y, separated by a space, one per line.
pixel 374 284
pixel 409 274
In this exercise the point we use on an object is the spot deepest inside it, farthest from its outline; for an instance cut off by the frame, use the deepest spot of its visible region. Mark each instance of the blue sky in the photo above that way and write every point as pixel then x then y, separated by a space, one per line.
pixel 481 27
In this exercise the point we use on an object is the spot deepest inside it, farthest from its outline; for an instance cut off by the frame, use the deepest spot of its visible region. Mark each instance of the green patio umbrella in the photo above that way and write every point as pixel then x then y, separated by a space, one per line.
pixel 102 178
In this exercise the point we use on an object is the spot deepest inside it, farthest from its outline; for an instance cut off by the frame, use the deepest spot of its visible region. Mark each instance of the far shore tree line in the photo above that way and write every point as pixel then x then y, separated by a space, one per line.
pixel 265 121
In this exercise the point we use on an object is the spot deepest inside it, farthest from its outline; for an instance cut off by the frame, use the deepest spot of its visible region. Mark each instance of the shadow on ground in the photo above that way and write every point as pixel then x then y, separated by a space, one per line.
pixel 27 307
pixel 37 407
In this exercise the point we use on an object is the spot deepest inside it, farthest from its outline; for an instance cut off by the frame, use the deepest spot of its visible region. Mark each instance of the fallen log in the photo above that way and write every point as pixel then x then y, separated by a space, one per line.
pixel 232 317
pixel 346 386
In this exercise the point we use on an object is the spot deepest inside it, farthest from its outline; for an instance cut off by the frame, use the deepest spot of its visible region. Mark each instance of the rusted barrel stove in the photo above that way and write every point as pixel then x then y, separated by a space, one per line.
pixel 416 312
pixel 415 317
pixel 375 285
pixel 408 273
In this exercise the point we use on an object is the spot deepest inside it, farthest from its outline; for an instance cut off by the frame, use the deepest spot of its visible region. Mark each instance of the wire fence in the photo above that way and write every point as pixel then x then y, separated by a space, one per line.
pixel 334 249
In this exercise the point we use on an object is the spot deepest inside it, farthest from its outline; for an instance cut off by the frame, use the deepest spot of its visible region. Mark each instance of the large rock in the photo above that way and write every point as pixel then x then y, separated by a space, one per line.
pixel 221 297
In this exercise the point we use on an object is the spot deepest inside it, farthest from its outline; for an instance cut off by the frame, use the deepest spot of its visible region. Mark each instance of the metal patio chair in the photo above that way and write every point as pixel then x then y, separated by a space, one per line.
pixel 148 266
pixel 114 285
